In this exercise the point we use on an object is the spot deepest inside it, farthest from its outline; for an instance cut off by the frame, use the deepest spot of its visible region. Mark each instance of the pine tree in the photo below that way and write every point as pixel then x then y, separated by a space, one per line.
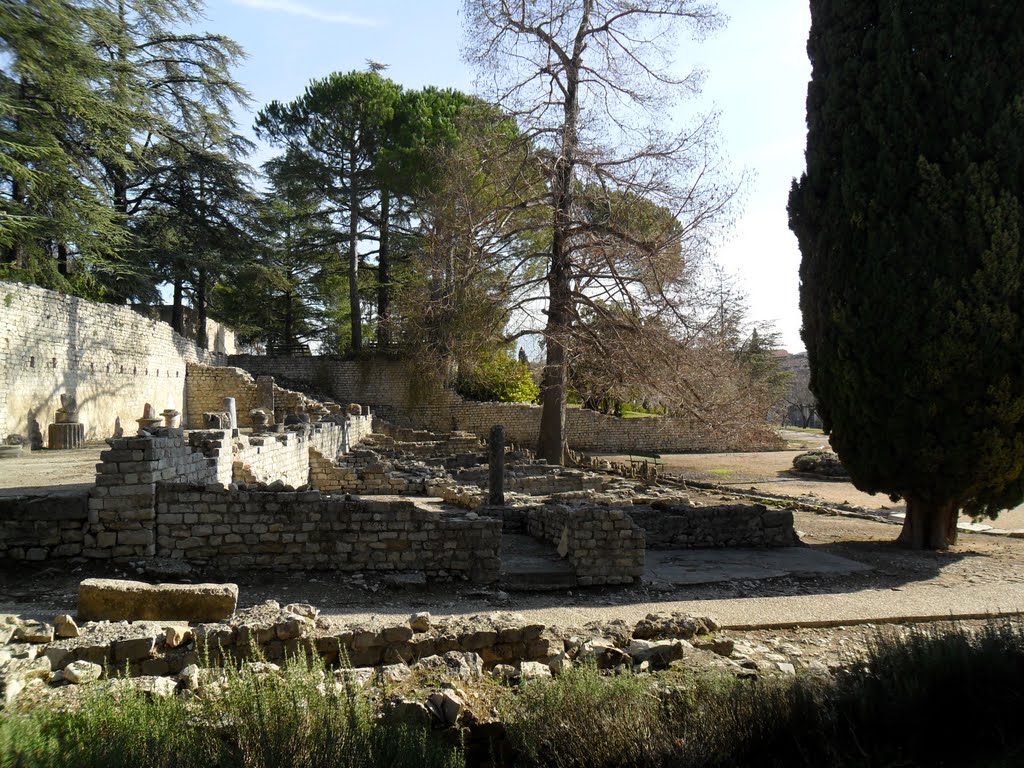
pixel 55 128
pixel 909 218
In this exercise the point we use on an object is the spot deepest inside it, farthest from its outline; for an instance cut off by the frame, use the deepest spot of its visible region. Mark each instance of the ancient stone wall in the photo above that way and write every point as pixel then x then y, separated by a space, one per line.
pixel 362 475
pixel 41 527
pixel 122 506
pixel 307 530
pixel 207 386
pixel 112 359
pixel 603 545
pixel 678 526
pixel 405 399
pixel 220 338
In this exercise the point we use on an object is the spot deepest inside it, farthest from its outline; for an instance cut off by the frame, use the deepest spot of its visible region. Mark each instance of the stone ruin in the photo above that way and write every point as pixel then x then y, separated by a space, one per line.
pixel 317 485
pixel 177 639
pixel 67 431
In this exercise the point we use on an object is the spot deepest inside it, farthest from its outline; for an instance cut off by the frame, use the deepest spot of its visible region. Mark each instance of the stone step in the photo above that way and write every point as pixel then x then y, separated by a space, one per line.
pixel 531 565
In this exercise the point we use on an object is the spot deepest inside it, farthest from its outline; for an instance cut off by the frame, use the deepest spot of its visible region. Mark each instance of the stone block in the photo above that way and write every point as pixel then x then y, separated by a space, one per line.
pixel 117 600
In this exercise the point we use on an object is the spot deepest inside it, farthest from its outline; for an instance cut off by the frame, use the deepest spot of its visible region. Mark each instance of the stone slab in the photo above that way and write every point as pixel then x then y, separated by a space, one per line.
pixel 118 600
pixel 707 566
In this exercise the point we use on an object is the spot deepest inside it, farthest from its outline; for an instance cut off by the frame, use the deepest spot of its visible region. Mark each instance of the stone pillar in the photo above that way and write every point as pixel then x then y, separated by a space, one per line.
pixel 265 395
pixel 496 462
pixel 63 436
pixel 229 408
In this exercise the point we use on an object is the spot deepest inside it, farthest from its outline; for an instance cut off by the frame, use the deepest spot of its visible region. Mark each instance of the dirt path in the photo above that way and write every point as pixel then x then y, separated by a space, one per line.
pixel 770 472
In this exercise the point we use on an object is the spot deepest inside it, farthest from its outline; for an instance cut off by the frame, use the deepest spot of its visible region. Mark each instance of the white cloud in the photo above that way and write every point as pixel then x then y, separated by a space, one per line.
pixel 299 9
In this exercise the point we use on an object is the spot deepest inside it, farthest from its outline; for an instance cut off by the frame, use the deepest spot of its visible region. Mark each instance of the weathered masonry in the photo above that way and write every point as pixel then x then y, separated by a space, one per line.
pixel 112 359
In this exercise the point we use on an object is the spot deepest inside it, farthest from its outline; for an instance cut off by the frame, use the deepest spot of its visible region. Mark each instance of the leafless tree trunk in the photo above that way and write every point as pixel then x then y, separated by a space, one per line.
pixel 580 75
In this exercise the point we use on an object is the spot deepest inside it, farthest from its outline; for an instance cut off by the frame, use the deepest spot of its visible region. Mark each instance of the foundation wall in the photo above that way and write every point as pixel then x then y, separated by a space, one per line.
pixel 737 525
pixel 308 531
pixel 42 527
pixel 604 545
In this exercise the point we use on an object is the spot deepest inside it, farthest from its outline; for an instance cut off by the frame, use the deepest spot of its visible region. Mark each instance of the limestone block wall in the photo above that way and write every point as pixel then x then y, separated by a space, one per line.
pixel 122 505
pixel 112 359
pixel 679 526
pixel 361 475
pixel 207 386
pixel 221 339
pixel 307 531
pixel 289 456
pixel 404 399
pixel 41 527
pixel 604 545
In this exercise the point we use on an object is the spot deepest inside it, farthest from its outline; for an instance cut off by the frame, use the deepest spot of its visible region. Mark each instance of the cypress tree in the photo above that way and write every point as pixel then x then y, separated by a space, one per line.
pixel 909 220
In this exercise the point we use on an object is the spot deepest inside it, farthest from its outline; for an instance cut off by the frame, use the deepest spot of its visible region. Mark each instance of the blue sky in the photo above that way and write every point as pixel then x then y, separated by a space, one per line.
pixel 757 72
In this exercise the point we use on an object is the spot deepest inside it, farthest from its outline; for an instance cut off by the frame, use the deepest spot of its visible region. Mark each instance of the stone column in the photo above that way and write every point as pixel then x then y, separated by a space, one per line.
pixel 229 407
pixel 496 462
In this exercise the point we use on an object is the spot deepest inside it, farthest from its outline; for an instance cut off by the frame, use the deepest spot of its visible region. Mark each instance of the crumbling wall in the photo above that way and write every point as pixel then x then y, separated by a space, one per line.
pixel 360 473
pixel 681 526
pixel 307 530
pixel 112 359
pixel 122 506
pixel 604 545
pixel 389 384
pixel 207 386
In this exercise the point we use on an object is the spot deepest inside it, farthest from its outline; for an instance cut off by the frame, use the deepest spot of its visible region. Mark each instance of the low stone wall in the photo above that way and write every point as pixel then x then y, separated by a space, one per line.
pixel 604 545
pixel 288 456
pixel 736 525
pixel 310 531
pixel 41 527
pixel 362 474
pixel 123 503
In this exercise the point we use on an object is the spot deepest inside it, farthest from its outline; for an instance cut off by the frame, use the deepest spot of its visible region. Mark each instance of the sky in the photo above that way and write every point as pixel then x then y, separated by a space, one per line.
pixel 756 69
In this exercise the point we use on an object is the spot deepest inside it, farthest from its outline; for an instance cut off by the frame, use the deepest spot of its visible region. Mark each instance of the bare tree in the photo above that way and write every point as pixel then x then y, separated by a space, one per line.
pixel 589 82
pixel 801 405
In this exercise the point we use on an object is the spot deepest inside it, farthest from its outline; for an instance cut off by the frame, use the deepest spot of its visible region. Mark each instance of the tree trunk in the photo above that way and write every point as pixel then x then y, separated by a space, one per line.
pixel 17 253
pixel 177 313
pixel 289 322
pixel 384 273
pixel 552 443
pixel 929 525
pixel 62 259
pixel 201 338
pixel 353 260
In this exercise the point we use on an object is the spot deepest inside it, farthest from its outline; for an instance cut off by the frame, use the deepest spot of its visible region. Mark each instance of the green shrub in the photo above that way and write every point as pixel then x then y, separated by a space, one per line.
pixel 583 718
pixel 498 378
pixel 293 720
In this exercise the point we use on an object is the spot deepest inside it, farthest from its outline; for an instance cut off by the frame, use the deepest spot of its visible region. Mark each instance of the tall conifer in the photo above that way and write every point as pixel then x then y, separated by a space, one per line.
pixel 909 218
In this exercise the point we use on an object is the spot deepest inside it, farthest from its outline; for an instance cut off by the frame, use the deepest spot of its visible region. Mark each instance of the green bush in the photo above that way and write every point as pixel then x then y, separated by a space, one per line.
pixel 498 378
pixel 899 708
pixel 582 718
pixel 293 720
